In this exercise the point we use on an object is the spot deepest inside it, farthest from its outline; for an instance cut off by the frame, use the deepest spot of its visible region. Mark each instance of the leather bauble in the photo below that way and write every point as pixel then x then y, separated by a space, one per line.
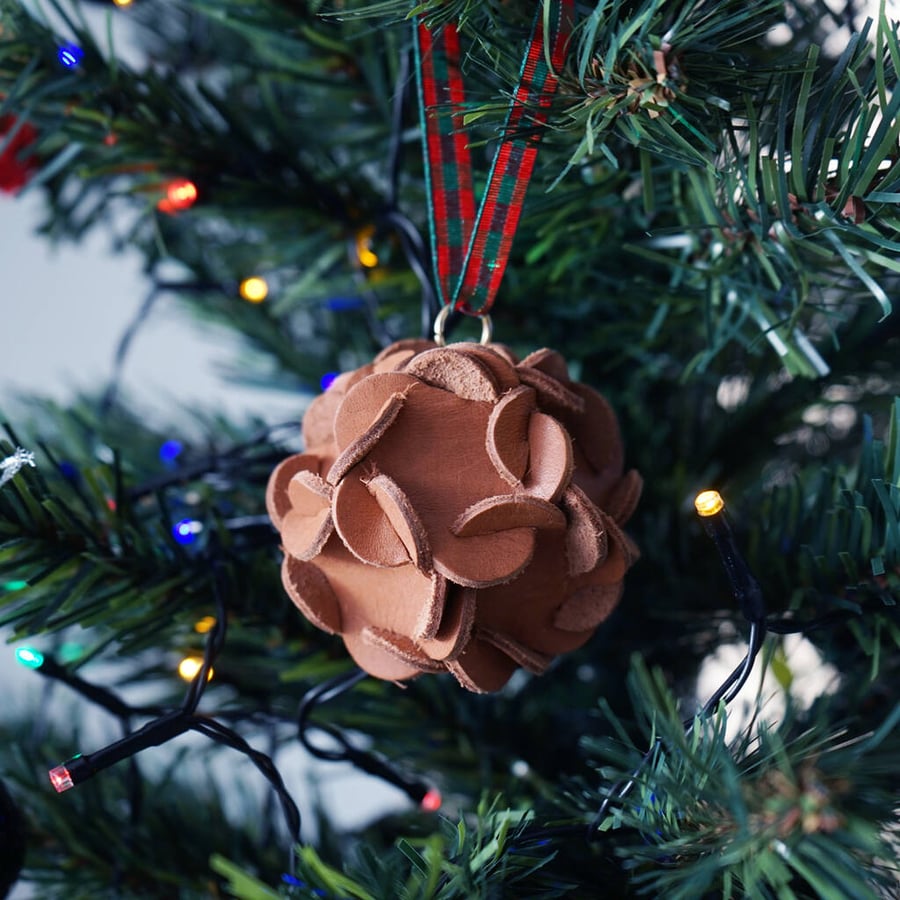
pixel 456 510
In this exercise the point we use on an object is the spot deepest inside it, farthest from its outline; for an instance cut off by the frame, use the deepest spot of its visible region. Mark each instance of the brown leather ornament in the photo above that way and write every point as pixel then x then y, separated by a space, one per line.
pixel 456 510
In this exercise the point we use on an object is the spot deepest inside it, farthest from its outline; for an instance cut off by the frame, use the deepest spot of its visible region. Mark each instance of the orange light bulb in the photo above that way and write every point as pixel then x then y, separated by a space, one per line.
pixel 190 666
pixel 254 290
pixel 205 625
pixel 368 259
pixel 708 503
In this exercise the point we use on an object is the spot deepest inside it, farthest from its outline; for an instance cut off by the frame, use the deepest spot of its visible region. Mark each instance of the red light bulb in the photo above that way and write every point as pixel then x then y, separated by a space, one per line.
pixel 432 800
pixel 61 779
pixel 180 194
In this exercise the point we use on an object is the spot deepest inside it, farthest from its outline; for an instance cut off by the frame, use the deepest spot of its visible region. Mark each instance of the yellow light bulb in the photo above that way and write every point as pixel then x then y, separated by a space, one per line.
pixel 367 257
pixel 205 625
pixel 122 2
pixel 709 503
pixel 254 290
pixel 190 666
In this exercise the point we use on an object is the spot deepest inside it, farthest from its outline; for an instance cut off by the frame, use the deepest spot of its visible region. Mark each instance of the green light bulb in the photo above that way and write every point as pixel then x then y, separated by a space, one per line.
pixel 29 657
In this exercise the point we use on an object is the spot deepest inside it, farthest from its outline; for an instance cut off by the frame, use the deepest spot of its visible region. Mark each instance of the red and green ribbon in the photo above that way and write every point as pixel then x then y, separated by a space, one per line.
pixel 470 249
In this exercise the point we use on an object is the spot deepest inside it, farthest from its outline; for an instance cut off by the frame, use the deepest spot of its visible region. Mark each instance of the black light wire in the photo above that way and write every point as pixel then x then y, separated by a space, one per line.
pixel 748 593
pixel 367 762
pixel 170 724
pixel 749 596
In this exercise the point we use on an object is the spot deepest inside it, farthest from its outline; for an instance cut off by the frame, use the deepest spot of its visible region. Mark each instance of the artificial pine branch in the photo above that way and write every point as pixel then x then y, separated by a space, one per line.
pixel 694 221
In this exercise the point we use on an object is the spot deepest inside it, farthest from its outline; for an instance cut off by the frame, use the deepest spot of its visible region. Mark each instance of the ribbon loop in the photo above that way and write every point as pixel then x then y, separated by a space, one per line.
pixel 470 249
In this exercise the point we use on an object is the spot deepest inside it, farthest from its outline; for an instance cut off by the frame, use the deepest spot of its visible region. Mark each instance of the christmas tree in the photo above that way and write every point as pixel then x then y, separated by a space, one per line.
pixel 708 239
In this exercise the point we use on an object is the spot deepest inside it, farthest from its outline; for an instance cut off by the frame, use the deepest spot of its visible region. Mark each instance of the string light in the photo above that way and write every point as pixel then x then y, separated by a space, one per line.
pixel 327 380
pixel 205 625
pixel 15 585
pixel 432 800
pixel 428 798
pixel 186 531
pixel 29 657
pixel 69 471
pixel 254 289
pixel 81 767
pixel 368 259
pixel 122 2
pixel 70 55
pixel 343 304
pixel 711 508
pixel 61 778
pixel 181 194
pixel 70 652
pixel 190 666
pixel 169 451
pixel 708 503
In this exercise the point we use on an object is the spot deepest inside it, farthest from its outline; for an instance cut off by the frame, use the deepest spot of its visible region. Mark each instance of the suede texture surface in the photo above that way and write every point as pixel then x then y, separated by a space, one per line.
pixel 458 510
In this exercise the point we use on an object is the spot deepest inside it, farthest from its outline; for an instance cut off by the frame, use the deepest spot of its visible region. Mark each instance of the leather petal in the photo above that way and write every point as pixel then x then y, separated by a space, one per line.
pixel 588 606
pixel 379 657
pixel 623 498
pixel 597 432
pixel 481 667
pixel 507 433
pixel 463 374
pixel 476 562
pixel 550 362
pixel 525 656
pixel 455 629
pixel 508 511
pixel 356 450
pixel 311 593
pixel 363 527
pixel 400 647
pixel 552 394
pixel 403 519
pixel 430 620
pixel 501 368
pixel 550 461
pixel 278 502
pixel 364 403
pixel 586 541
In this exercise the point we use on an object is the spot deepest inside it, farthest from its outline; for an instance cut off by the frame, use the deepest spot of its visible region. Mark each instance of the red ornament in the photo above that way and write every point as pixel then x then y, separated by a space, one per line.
pixel 16 165
pixel 456 510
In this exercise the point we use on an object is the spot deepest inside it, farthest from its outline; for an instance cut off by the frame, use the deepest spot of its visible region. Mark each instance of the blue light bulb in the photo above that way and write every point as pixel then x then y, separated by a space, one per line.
pixel 70 55
pixel 169 451
pixel 186 531
pixel 327 380
pixel 69 471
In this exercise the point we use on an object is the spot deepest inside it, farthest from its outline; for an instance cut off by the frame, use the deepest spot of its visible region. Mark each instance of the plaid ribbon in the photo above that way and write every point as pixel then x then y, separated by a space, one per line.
pixel 470 250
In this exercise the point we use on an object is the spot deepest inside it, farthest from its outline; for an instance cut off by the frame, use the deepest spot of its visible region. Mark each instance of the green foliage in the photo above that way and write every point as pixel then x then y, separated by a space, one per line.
pixel 841 523
pixel 750 187
pixel 709 213
pixel 785 812
pixel 492 856
pixel 141 834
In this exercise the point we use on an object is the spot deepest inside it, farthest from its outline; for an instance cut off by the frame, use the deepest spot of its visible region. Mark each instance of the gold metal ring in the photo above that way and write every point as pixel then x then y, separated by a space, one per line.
pixel 487 327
